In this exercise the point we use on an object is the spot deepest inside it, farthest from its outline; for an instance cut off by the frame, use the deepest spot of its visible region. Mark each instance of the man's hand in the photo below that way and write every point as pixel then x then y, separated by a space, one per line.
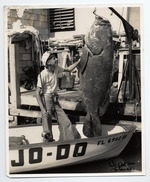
pixel 45 114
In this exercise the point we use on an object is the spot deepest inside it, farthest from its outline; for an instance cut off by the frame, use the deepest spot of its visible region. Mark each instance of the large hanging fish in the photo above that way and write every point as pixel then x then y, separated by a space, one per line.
pixel 96 74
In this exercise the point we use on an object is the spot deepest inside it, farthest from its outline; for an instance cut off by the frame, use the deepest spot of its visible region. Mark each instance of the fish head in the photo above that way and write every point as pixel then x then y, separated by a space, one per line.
pixel 99 35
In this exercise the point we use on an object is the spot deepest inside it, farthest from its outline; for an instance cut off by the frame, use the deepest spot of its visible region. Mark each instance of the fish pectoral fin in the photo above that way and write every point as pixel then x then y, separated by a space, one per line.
pixel 84 60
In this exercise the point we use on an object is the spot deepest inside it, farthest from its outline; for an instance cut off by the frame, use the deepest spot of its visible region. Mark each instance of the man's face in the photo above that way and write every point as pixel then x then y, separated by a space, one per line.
pixel 52 64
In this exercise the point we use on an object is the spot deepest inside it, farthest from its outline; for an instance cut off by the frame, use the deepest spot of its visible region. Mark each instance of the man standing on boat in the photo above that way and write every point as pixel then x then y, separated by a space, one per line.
pixel 46 94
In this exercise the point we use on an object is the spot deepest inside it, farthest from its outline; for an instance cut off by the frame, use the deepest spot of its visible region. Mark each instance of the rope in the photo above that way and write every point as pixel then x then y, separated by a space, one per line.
pixel 103 18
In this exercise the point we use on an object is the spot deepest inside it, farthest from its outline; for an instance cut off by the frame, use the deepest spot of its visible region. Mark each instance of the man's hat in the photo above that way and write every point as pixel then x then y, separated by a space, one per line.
pixel 45 57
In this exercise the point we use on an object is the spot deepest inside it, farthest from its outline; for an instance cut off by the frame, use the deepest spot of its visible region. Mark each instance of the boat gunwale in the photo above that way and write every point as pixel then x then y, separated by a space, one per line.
pixel 55 143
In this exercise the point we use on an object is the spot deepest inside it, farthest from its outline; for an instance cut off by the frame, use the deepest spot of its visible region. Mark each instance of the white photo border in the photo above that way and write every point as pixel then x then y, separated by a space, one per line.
pixel 145 93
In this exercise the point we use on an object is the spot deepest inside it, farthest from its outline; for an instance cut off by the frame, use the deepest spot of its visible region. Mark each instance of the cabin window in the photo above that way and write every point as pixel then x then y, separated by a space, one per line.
pixel 62 19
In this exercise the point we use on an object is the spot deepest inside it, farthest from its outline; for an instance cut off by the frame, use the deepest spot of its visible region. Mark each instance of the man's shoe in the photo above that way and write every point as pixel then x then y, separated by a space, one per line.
pixel 48 137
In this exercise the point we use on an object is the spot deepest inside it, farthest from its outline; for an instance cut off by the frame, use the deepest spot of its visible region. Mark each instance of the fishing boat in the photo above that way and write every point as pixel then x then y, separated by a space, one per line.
pixel 28 152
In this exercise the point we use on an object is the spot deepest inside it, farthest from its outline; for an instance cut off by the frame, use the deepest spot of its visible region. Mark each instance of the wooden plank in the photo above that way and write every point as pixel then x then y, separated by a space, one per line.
pixel 68 105
pixel 29 99
pixel 128 109
pixel 116 109
pixel 14 75
pixel 120 108
pixel 25 113
pixel 121 62
pixel 14 121
pixel 131 123
pixel 11 118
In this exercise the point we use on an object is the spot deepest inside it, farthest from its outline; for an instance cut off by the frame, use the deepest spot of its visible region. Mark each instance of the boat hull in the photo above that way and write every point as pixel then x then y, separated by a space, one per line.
pixel 37 156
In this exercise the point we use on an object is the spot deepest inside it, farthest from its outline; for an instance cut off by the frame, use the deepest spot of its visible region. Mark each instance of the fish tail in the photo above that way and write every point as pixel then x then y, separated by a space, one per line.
pixel 87 128
pixel 92 126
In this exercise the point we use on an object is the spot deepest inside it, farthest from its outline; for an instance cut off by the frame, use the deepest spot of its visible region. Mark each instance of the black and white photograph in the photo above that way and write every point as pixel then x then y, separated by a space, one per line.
pixel 74 81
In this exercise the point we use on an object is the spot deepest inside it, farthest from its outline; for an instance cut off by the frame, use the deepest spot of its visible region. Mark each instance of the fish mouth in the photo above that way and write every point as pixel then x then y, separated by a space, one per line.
pixel 101 21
